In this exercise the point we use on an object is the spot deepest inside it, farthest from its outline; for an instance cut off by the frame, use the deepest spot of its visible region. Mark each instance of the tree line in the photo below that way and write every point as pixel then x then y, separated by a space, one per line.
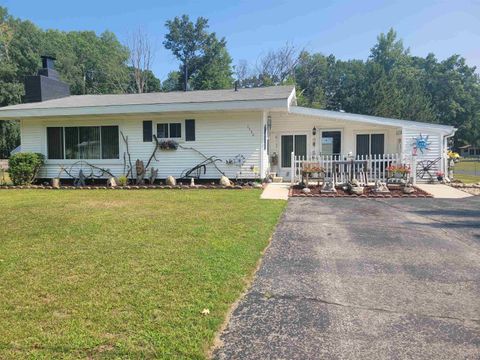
pixel 391 82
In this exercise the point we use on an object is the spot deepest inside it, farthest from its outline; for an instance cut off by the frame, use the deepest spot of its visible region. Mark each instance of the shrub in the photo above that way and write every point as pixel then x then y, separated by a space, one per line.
pixel 24 167
pixel 122 180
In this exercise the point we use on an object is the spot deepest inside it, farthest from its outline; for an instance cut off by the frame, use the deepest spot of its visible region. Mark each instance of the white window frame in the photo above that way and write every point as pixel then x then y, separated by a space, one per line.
pixel 319 139
pixel 291 134
pixel 370 133
pixel 91 161
pixel 168 122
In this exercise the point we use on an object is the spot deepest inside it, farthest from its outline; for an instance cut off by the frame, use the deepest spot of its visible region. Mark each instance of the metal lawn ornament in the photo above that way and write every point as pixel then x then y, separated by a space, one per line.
pixel 421 143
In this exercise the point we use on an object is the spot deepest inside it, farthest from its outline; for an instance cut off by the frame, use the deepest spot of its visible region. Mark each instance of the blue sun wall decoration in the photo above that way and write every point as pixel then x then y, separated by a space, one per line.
pixel 421 143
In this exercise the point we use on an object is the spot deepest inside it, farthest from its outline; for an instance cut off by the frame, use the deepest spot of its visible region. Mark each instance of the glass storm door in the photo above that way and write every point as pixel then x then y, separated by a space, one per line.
pixel 296 143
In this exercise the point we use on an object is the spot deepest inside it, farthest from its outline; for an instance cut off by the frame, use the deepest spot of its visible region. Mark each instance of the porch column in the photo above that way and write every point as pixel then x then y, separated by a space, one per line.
pixel 292 170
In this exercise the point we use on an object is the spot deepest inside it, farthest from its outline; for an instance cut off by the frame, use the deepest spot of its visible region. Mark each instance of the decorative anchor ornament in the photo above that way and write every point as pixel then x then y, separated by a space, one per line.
pixel 421 143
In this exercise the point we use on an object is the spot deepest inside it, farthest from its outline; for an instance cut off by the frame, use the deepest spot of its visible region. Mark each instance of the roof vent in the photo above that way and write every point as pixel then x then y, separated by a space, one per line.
pixel 46 85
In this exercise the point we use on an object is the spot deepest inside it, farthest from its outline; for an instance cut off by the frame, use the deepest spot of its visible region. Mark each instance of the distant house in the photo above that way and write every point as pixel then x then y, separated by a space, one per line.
pixel 252 132
pixel 469 150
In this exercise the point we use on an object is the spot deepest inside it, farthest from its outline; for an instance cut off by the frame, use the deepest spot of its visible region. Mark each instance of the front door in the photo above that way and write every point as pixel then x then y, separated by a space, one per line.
pixel 295 143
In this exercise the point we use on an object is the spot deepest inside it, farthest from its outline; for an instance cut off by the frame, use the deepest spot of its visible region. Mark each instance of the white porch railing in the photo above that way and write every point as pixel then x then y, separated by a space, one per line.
pixel 341 168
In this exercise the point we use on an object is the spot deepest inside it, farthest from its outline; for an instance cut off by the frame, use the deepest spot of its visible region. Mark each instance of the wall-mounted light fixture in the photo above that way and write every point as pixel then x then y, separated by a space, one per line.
pixel 314 131
pixel 269 122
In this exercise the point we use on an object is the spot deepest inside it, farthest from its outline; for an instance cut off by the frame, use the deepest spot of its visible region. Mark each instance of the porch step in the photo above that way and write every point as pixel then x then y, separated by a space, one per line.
pixel 277 179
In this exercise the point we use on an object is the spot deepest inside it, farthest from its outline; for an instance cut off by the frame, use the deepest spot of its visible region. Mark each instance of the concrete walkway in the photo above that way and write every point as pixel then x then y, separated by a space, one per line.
pixel 441 191
pixel 275 191
pixel 374 279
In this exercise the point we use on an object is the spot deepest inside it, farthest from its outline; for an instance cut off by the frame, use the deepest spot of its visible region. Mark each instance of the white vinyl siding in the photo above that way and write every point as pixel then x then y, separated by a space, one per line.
pixel 284 123
pixel 224 135
pixel 434 151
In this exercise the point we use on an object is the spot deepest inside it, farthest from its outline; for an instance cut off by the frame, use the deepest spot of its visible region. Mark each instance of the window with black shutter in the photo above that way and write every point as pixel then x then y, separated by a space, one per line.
pixel 190 130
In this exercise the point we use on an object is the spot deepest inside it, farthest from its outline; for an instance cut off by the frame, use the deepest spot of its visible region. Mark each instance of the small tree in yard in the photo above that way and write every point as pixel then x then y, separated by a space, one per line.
pixel 23 167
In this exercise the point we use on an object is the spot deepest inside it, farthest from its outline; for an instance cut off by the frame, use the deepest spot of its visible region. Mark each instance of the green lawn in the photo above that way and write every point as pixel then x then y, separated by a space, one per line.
pixel 473 167
pixel 124 274
pixel 467 179
pixel 468 165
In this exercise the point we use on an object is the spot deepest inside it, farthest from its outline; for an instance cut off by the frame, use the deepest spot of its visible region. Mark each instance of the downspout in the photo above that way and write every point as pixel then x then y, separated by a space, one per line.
pixel 445 160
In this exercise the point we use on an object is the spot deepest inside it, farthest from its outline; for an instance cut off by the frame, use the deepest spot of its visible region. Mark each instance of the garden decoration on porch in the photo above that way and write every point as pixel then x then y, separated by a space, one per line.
pixel 328 187
pixel 420 143
pixel 397 174
pixel 380 188
pixel 427 168
pixel 440 175
pixel 309 169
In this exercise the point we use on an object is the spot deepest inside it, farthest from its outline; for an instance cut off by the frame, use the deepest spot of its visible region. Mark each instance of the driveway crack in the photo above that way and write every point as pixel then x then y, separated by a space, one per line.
pixel 296 298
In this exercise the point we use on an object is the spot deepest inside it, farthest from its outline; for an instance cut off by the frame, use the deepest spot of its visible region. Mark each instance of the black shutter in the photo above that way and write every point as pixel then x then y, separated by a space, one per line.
pixel 55 142
pixel 189 130
pixel 147 131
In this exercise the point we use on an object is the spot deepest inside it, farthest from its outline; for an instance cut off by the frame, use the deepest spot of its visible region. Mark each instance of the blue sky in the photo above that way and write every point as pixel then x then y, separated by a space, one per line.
pixel 347 29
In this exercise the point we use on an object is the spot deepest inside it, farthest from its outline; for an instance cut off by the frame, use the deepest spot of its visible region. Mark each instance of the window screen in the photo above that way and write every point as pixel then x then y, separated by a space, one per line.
pixel 175 130
pixel 110 146
pixel 83 142
pixel 162 131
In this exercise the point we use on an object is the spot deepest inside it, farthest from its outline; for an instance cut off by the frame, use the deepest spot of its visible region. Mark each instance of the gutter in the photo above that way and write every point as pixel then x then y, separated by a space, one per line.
pixel 446 137
pixel 246 105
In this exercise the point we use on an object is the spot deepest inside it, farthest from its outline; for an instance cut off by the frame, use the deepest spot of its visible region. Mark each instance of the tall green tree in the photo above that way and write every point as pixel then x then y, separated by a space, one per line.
pixel 204 58
pixel 89 63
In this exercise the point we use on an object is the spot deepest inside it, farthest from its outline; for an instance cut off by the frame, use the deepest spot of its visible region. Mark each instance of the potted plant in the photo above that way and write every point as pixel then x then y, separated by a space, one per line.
pixel 56 181
pixel 168 145
pixel 308 169
pixel 440 175
pixel 452 155
pixel 398 171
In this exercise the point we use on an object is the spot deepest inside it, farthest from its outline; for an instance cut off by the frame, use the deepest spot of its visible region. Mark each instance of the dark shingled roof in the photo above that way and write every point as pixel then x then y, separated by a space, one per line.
pixel 177 97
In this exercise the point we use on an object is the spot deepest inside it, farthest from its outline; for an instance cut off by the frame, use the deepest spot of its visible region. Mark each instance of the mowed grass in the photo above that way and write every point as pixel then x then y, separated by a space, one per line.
pixel 468 165
pixel 472 166
pixel 124 274
pixel 467 179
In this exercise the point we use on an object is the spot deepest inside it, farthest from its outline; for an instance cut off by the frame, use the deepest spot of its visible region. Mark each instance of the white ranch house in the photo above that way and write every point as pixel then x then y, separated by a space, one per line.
pixel 253 133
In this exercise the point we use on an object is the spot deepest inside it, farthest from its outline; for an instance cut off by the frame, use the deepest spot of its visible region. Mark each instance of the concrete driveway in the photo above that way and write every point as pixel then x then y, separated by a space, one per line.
pixel 365 279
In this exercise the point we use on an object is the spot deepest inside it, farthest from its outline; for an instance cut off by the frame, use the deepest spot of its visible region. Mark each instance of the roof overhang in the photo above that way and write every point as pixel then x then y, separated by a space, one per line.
pixel 275 104
pixel 376 120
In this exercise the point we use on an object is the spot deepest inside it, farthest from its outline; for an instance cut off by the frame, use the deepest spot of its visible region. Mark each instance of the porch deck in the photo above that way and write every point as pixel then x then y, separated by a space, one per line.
pixel 341 168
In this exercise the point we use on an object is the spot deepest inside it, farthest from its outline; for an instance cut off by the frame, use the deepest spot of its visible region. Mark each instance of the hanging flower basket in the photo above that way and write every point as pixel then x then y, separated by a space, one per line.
pixel 168 145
